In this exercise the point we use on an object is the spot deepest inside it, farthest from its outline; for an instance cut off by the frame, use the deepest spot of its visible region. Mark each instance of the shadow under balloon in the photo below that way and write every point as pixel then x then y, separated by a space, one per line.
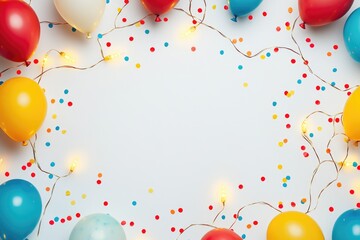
pixel 8 144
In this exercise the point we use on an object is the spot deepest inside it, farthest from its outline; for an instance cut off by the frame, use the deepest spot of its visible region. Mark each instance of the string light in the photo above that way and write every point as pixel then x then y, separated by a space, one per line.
pixel 223 196
pixel 73 166
pixel 67 57
pixel 304 127
pixel 111 57
pixel 190 31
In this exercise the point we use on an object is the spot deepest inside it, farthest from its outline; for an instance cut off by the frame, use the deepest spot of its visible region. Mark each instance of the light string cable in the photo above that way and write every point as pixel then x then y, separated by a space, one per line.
pixel 321 162
pixel 195 225
pixel 58 177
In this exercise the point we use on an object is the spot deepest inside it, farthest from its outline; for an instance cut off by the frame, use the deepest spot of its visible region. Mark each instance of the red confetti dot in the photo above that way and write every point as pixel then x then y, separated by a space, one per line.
pixel 152 49
pixel 304 75
pixel 306 154
pixel 18 72
pixel 281 206
pixel 143 231
pixel 98 182
pixel 262 179
pixel 126 1
pixel 346 86
pixel 293 61
pixel 358 205
pixel 241 186
pixel 166 19
pixel 337 120
pixel 330 120
pixel 255 223
pixel 235 216
pixel 33 174
pixel 194 21
pixel 173 229
pixel 250 17
pixel 180 210
pixel 211 207
pixel 78 215
pixel 7 174
pixel 29 164
pixel 287 115
pixel 106 203
pixel 131 224
pixel 303 148
pixel 199 10
pixel 69 218
pixel 286 93
pixel 36 61
pixel 358 167
pixel 108 44
pixel 318 88
pixel 51 222
pixel 23 167
pixel 193 49
pixel 287 24
pixel 312 45
pixel 278 29
pixel 317 102
pixel 276 49
pixel 131 39
pixel 351 191
pixel 336 47
pixel 293 204
pixel 124 19
pixel 348 93
pixel 331 209
pixel 123 223
pixel 264 14
pixel 142 22
pixel 62 220
pixel 157 217
pixel 288 126
pixel 181 230
pixel 70 104
pixel 308 40
pixel 226 7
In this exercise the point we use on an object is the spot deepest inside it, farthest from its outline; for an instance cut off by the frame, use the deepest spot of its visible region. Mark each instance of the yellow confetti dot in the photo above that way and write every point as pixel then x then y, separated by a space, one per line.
pixel 172 211
pixel 262 57
pixel 73 202
pixel 151 190
pixel 32 161
pixel 213 7
pixel 138 24
pixel 245 84
pixel 281 144
pixel 280 166
pixel 138 65
pixel 67 193
pixel 63 131
pixel 339 185
pixel 83 196
pixel 119 10
pixel 280 203
pixel 290 10
pixel 54 116
pixel 284 180
pixel 288 28
pixel 319 129
pixel 275 116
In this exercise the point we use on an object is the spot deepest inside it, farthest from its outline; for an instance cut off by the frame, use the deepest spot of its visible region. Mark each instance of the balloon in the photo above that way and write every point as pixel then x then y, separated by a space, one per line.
pixel 351 116
pixel 159 7
pixel 221 234
pixel 84 15
pixel 20 209
pixel 22 108
pixel 242 7
pixel 347 226
pixel 98 227
pixel 19 30
pixel 322 12
pixel 294 225
pixel 352 35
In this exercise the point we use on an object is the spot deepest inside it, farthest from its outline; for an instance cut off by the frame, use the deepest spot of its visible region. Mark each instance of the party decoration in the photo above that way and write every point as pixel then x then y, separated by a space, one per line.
pixel 351 116
pixel 22 108
pixel 20 209
pixel 242 7
pixel 83 15
pixel 322 12
pixel 98 227
pixel 294 225
pixel 347 226
pixel 352 35
pixel 159 7
pixel 19 30
pixel 221 234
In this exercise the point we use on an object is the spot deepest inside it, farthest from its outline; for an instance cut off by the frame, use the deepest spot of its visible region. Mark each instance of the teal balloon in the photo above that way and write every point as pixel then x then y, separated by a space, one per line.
pixel 352 34
pixel 242 7
pixel 347 226
pixel 20 209
pixel 98 227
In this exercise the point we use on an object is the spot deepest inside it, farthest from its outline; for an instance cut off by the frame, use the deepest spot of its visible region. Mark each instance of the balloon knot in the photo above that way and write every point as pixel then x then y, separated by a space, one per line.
pixel 302 25
pixel 27 63
pixel 234 19
pixel 157 19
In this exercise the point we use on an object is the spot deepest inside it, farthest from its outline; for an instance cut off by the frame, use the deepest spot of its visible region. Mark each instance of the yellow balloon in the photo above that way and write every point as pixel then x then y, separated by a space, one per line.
pixel 351 116
pixel 294 225
pixel 22 108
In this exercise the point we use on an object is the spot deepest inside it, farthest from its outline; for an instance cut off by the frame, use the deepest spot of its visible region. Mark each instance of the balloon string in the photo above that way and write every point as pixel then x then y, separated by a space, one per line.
pixel 320 162
pixel 58 177
pixel 196 225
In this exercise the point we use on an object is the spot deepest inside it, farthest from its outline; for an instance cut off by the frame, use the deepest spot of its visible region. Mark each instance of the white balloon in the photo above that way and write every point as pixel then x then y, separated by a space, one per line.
pixel 84 15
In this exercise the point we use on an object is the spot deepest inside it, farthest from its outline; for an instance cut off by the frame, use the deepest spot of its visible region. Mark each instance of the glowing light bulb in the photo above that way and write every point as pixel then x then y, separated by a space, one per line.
pixel 45 59
pixel 223 196
pixel 66 56
pixel 190 31
pixel 111 57
pixel 304 127
pixel 73 166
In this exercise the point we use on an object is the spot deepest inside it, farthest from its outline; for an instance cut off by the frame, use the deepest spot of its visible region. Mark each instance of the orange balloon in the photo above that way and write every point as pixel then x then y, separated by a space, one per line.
pixel 294 225
pixel 22 108
pixel 351 116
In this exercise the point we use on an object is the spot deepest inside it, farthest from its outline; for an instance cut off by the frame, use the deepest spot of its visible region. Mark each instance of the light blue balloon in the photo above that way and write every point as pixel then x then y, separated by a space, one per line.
pixel 242 7
pixel 20 209
pixel 347 226
pixel 98 227
pixel 352 34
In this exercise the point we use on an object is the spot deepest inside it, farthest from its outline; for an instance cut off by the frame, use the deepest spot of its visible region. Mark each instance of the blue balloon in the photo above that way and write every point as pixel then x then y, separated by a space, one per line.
pixel 20 209
pixel 347 226
pixel 352 34
pixel 242 7
pixel 98 227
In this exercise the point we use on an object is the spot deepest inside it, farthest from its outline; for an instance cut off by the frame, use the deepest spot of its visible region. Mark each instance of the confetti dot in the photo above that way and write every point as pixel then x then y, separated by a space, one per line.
pixel 67 193
pixel 134 203
pixel 151 190
pixel 73 202
pixel 138 65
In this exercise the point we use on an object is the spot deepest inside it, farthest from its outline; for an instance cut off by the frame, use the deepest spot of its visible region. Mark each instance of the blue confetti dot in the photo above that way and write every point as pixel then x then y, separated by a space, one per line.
pixel 268 54
pixel 355 164
pixel 284 184
pixel 51 25
pixel 274 104
pixel 288 177
pixel 311 135
pixel 243 236
pixel 166 44
pixel 223 217
pixel 47 144
pixel 107 1
pixel 100 35
pixel 56 219
pixel 73 29
pixel 61 100
pixel 147 31
pixel 134 203
pixel 222 52
pixel 240 67
pixel 323 88
pixel 299 81
pixel 240 218
pixel 52 164
pixel 333 84
pixel 66 91
pixel 334 70
pixel 57 128
pixel 51 176
pixel 126 58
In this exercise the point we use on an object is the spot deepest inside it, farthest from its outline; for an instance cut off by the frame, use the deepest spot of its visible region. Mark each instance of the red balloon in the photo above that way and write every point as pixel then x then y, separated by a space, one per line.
pixel 322 12
pixel 19 30
pixel 159 7
pixel 221 234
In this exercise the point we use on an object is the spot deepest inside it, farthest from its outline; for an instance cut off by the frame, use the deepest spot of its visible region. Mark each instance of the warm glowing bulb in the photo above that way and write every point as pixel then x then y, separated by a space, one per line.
pixel 45 59
pixel 223 196
pixel 111 57
pixel 73 166
pixel 304 127
pixel 66 56
pixel 190 31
